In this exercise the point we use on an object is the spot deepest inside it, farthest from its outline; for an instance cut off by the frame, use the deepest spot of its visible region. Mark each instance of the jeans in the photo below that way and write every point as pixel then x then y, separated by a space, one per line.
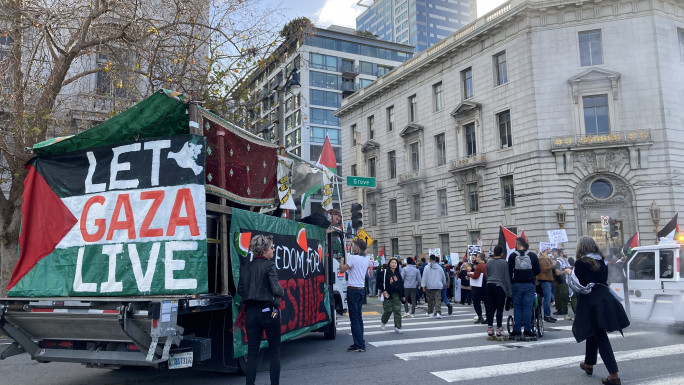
pixel 480 295
pixel 256 323
pixel 371 287
pixel 392 305
pixel 523 299
pixel 444 295
pixel 497 301
pixel 600 342
pixel 547 288
pixel 355 299
pixel 410 296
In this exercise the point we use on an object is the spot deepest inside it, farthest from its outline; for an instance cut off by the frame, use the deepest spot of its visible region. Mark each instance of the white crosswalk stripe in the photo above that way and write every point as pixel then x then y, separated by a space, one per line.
pixel 466 374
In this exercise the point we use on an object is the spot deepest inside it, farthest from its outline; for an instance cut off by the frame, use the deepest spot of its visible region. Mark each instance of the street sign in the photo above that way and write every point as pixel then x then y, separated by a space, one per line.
pixel 361 181
pixel 364 235
pixel 605 225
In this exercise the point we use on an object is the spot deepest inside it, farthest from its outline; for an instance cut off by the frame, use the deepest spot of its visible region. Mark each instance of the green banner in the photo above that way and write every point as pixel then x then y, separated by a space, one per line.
pixel 301 263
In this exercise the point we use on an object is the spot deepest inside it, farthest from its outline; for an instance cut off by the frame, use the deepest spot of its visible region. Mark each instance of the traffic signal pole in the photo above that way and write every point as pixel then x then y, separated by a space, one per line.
pixel 359 167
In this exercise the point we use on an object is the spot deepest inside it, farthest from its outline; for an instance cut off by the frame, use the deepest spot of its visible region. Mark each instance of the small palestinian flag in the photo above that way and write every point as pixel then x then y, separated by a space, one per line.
pixel 630 245
pixel 670 229
pixel 507 240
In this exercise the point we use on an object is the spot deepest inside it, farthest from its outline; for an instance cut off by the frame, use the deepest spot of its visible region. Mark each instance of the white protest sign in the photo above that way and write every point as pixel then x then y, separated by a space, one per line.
pixel 435 252
pixel 546 246
pixel 556 236
pixel 473 249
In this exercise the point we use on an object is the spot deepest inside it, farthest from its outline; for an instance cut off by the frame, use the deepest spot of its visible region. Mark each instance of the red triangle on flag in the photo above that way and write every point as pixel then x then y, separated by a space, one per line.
pixel 45 221
pixel 327 158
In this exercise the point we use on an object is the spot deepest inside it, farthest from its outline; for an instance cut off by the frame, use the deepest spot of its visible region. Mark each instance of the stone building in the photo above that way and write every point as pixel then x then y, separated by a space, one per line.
pixel 536 116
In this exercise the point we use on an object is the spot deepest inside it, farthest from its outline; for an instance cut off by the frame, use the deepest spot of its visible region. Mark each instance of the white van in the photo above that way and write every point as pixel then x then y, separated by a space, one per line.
pixel 652 283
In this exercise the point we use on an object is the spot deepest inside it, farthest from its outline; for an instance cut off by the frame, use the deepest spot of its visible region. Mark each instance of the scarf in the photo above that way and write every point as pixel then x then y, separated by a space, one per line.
pixel 577 287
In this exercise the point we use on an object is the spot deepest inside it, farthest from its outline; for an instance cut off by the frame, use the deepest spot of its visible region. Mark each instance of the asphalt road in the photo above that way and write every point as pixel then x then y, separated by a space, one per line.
pixel 431 351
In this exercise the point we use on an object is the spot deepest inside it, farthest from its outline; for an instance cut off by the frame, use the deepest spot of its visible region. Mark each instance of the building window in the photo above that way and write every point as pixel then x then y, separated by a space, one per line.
pixel 372 214
pixel 437 102
pixel 508 191
pixel 371 167
pixel 500 68
pixel 680 32
pixel 415 157
pixel 321 116
pixel 382 70
pixel 467 80
pixel 442 202
pixel 353 134
pixel 318 135
pixel 366 68
pixel 444 246
pixel 323 62
pixel 591 52
pixel 393 210
pixel 364 82
pixel 474 235
pixel 504 121
pixel 473 204
pixel 323 80
pixel 324 98
pixel 293 139
pixel 440 149
pixel 417 245
pixel 413 108
pixel 390 118
pixel 371 130
pixel 470 141
pixel 415 207
pixel 353 170
pixel 394 242
pixel 596 119
pixel 392 164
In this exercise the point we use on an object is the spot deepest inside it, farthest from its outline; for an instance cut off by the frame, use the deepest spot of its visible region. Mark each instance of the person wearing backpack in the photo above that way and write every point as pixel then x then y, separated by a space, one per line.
pixel 523 266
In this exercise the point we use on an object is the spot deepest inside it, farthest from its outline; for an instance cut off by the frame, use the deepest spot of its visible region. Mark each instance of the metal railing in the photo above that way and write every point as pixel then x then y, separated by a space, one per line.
pixel 468 162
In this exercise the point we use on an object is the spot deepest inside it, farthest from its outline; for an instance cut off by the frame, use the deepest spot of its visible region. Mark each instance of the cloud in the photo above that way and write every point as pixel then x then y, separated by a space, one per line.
pixel 338 12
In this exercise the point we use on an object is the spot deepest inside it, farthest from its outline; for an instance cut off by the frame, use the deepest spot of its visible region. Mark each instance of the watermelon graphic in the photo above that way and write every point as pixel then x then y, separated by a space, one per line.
pixel 301 237
pixel 320 251
pixel 242 243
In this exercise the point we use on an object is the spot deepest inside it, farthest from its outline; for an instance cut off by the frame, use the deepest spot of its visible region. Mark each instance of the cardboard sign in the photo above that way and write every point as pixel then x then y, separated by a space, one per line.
pixel 546 246
pixel 122 220
pixel 300 262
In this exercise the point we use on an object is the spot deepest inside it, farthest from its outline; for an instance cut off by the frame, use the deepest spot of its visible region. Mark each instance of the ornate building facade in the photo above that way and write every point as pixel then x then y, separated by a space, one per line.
pixel 536 116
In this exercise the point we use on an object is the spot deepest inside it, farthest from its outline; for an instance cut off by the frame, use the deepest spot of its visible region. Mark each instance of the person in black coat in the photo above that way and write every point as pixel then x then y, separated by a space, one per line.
pixel 598 312
pixel 393 294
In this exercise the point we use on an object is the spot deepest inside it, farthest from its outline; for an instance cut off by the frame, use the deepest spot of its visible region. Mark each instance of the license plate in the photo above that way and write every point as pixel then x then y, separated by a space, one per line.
pixel 180 360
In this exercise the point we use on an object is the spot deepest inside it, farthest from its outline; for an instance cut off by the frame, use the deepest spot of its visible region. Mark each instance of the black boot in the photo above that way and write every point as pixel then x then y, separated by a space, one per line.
pixel 451 308
pixel 480 320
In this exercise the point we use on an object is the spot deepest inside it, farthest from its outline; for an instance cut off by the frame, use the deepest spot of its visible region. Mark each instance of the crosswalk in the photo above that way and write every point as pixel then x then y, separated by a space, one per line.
pixel 423 334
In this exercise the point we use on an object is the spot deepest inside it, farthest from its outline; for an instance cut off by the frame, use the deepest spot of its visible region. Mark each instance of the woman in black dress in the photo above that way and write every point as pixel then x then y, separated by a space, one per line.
pixel 598 311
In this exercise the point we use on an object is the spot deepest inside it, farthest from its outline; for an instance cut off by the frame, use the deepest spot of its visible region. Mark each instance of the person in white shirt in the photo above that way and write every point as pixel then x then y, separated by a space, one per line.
pixel 356 264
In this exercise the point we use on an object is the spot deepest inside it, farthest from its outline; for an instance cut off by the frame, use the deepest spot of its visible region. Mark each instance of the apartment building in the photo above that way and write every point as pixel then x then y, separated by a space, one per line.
pixel 536 117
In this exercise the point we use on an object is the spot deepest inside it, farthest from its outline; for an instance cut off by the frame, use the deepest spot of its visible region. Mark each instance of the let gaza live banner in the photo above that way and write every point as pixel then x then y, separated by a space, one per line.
pixel 120 220
pixel 299 259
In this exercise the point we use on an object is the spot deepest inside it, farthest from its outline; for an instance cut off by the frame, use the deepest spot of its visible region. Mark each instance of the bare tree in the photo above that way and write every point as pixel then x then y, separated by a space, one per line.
pixel 67 64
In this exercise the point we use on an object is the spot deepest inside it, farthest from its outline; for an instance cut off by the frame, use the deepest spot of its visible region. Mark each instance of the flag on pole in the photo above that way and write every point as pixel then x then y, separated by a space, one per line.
pixel 669 230
pixel 522 234
pixel 507 240
pixel 381 255
pixel 630 245
pixel 326 161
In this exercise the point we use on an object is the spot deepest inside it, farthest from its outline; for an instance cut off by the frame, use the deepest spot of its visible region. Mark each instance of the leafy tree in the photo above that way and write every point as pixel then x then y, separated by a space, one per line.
pixel 66 65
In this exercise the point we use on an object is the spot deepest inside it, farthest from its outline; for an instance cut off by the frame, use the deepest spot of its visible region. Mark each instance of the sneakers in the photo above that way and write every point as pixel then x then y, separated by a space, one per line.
pixel 558 313
pixel 399 331
pixel 451 308
pixel 499 332
pixel 407 315
pixel 429 315
pixel 530 335
pixel 484 321
pixel 382 326
pixel 515 334
pixel 439 315
pixel 549 319
pixel 353 348
pixel 567 318
pixel 480 320
pixel 490 331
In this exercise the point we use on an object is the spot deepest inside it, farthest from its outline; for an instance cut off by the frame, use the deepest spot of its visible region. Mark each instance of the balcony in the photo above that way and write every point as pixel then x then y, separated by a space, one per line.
pixel 349 70
pixel 349 88
pixel 616 139
pixel 467 163
pixel 411 177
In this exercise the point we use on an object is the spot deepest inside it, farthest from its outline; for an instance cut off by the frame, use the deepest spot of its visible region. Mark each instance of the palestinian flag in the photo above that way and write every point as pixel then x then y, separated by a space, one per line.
pixel 381 256
pixel 120 220
pixel 507 240
pixel 630 245
pixel 670 229
pixel 326 161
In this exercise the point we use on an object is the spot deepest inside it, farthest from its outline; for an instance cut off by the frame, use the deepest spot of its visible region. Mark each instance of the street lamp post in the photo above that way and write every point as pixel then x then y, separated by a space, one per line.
pixel 294 87
pixel 560 216
pixel 655 216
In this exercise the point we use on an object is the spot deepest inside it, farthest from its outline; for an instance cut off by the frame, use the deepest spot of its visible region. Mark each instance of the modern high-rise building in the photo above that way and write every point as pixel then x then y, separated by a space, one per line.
pixel 332 64
pixel 420 23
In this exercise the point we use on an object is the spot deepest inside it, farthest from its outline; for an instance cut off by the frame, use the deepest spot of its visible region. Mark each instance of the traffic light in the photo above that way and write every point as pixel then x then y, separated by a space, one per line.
pixel 613 228
pixel 356 215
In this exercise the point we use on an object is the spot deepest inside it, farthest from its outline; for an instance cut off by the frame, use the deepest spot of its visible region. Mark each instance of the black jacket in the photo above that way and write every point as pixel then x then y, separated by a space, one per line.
pixel 393 283
pixel 259 282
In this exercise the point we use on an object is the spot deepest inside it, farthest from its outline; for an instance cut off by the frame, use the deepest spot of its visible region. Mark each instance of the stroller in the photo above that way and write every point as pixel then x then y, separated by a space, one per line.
pixel 537 314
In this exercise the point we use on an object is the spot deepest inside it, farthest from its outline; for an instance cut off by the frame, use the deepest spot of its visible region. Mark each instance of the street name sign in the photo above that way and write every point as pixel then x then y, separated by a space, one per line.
pixel 361 181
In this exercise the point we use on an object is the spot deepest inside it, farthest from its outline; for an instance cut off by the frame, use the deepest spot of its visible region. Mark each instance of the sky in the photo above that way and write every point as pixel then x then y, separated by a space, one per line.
pixel 344 12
